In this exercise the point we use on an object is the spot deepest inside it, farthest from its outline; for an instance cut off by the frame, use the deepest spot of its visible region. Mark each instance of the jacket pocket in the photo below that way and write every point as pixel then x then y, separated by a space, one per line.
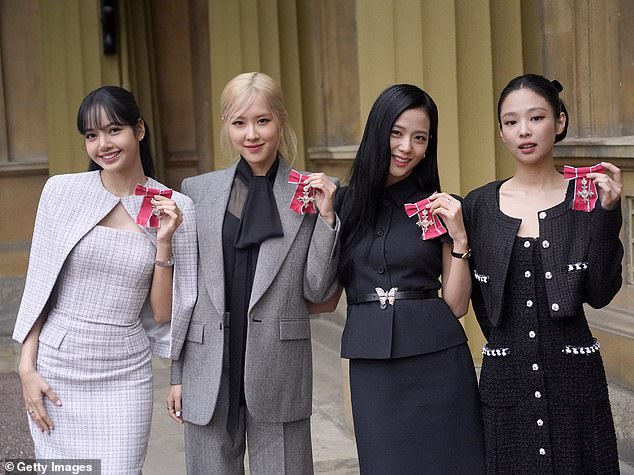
pixel 500 381
pixel 52 335
pixel 579 380
pixel 195 332
pixel 294 329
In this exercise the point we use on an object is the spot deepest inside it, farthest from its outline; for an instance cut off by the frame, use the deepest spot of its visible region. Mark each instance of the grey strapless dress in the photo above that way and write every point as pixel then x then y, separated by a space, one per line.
pixel 95 353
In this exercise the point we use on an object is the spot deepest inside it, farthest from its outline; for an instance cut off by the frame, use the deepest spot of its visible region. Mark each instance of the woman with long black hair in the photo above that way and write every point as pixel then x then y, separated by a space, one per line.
pixel 414 392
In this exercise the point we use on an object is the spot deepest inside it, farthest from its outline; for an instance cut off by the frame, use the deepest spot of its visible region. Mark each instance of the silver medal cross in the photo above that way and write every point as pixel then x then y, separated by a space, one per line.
pixel 585 194
pixel 423 221
pixel 305 198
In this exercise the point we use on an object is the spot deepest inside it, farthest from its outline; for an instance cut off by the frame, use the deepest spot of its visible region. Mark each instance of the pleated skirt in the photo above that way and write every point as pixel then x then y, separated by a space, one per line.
pixel 418 415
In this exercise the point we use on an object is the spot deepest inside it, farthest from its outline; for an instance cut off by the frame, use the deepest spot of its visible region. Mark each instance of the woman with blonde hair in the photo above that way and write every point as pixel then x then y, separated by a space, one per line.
pixel 268 244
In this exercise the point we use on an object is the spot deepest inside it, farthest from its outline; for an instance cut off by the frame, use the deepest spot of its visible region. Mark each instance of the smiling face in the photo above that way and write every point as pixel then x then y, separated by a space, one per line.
pixel 409 138
pixel 528 126
pixel 114 147
pixel 255 135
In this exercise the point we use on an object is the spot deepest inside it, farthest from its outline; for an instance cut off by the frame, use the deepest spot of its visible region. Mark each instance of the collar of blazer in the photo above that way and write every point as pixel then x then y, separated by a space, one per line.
pixel 213 190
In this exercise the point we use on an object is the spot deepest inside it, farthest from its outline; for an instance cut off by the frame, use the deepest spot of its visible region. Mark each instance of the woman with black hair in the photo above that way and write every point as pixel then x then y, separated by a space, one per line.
pixel 105 243
pixel 543 246
pixel 413 385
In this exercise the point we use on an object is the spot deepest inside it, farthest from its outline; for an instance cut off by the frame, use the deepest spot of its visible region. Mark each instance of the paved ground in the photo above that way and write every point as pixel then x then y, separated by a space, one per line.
pixel 333 444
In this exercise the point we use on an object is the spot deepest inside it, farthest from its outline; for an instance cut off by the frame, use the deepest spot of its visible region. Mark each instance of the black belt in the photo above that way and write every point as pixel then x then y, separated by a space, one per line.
pixel 388 297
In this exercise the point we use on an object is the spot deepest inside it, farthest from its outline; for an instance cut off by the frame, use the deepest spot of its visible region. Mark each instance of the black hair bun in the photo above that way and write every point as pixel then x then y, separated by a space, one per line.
pixel 557 85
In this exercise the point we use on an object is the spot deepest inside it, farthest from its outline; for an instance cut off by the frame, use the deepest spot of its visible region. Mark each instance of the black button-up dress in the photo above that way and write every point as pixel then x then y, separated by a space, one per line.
pixel 544 392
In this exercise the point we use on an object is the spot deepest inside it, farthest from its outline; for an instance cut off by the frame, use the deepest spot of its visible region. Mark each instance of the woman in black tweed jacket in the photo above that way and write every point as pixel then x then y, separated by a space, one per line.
pixel 535 261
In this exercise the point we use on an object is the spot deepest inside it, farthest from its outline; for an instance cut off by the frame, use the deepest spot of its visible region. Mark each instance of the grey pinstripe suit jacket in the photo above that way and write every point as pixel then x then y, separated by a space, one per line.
pixel 71 205
pixel 291 269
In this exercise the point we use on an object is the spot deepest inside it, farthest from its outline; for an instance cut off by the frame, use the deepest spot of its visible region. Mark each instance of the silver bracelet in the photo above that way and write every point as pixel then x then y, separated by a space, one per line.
pixel 167 263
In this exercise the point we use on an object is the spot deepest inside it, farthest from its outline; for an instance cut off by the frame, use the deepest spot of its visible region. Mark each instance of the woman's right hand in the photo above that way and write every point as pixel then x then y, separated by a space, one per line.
pixel 174 398
pixel 34 389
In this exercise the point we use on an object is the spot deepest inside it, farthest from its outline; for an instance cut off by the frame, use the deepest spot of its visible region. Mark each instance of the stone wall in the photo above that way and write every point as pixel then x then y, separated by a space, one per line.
pixel 10 294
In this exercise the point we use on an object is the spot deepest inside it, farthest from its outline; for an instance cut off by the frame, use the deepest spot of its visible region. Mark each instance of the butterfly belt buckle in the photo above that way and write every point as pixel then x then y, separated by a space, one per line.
pixel 386 297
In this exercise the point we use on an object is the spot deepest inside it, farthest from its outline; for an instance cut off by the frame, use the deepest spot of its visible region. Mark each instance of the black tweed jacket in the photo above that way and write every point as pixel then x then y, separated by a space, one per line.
pixel 581 253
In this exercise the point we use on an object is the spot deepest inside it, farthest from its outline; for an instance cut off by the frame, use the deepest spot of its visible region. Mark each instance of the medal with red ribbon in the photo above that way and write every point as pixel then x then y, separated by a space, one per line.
pixel 428 223
pixel 147 216
pixel 585 190
pixel 304 198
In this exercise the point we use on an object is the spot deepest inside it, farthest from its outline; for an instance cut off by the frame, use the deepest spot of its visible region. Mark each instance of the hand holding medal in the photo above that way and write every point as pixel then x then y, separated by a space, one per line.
pixel 158 210
pixel 314 193
pixel 592 184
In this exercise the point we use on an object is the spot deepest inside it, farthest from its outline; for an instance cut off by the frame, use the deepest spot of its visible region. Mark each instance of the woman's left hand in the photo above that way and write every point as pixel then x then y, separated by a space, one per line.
pixel 170 217
pixel 450 209
pixel 324 194
pixel 609 188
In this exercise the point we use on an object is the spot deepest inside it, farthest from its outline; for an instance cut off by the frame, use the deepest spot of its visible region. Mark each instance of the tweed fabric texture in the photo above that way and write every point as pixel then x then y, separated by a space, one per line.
pixel 70 206
pixel 545 410
pixel 567 238
pixel 96 355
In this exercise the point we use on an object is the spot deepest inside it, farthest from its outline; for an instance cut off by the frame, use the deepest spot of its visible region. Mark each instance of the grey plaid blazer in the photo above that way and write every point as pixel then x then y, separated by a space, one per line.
pixel 71 205
pixel 291 269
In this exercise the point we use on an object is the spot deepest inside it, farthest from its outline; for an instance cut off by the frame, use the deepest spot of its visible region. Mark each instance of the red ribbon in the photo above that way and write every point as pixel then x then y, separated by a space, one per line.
pixel 304 198
pixel 585 191
pixel 429 223
pixel 146 216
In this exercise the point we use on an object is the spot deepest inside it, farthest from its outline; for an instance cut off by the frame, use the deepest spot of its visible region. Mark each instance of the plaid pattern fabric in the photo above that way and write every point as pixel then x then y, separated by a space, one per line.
pixel 95 353
pixel 72 205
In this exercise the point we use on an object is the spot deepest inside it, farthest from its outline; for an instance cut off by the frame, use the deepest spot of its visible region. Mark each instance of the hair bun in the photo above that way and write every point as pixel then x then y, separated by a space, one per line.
pixel 557 85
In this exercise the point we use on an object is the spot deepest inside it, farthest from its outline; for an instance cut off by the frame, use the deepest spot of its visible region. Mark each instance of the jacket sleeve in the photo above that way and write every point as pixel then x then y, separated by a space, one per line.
pixel 321 265
pixel 477 300
pixel 320 275
pixel 185 286
pixel 177 361
pixel 177 372
pixel 605 253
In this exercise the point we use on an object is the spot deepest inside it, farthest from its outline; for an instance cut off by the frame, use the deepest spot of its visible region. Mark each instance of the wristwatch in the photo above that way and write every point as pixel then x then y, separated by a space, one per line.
pixel 461 255
pixel 167 263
